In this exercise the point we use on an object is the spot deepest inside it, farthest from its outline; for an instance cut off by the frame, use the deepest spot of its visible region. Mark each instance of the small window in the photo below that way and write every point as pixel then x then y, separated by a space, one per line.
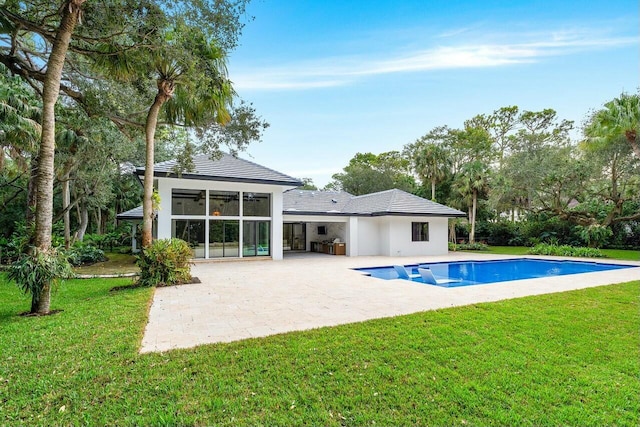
pixel 419 231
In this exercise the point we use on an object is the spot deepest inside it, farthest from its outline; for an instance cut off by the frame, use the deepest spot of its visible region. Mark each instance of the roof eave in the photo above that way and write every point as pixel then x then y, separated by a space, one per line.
pixel 432 214
pixel 292 184
pixel 312 213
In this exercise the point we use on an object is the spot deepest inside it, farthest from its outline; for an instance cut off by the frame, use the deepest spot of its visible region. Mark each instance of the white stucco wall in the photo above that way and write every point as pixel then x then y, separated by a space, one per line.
pixel 368 236
pixel 382 235
pixel 397 236
pixel 165 185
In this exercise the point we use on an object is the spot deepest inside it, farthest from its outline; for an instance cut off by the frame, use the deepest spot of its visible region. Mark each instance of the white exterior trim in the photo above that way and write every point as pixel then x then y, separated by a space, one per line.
pixel 166 185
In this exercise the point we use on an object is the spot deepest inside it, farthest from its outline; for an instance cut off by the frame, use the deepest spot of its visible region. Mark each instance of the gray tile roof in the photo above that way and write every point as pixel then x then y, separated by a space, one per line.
pixel 322 202
pixel 226 168
pixel 390 202
pixel 135 213
pixel 328 203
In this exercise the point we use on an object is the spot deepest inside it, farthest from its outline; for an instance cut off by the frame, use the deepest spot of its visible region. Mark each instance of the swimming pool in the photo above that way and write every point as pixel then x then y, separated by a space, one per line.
pixel 467 273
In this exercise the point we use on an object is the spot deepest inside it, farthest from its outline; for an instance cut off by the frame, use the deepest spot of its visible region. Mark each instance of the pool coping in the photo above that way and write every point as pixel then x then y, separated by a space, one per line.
pixel 238 300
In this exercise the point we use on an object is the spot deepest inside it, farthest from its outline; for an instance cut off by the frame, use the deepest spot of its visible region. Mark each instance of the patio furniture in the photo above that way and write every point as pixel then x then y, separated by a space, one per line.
pixel 428 277
pixel 404 274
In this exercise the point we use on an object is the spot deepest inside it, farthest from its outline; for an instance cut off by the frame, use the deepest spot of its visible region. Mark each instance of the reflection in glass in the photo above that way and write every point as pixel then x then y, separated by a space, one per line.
pixel 256 238
pixel 187 202
pixel 256 204
pixel 224 203
pixel 192 232
pixel 224 238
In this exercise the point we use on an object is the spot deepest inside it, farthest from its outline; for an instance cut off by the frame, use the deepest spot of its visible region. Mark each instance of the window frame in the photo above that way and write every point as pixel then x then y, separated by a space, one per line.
pixel 418 233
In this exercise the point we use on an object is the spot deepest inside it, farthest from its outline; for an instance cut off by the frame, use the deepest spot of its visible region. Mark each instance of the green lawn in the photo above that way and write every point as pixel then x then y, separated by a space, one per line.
pixel 560 359
pixel 622 254
pixel 116 264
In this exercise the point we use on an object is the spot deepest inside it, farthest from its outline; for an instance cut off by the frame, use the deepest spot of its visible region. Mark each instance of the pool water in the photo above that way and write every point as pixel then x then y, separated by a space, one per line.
pixel 467 273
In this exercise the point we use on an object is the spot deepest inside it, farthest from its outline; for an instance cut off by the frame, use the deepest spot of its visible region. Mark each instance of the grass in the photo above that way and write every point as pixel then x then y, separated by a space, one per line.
pixel 116 264
pixel 622 254
pixel 558 359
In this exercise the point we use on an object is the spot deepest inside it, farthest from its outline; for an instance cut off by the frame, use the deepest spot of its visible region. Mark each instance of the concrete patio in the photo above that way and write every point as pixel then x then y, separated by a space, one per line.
pixel 249 299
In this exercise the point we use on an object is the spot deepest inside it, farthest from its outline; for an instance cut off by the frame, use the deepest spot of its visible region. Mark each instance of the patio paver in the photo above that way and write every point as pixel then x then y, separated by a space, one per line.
pixel 250 299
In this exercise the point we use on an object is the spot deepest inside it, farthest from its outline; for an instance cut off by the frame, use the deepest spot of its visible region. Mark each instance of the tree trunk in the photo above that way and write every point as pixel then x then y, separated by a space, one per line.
pixel 632 139
pixel 472 234
pixel 71 10
pixel 66 201
pixel 42 305
pixel 100 229
pixel 84 222
pixel 165 91
pixel 433 190
pixel 31 193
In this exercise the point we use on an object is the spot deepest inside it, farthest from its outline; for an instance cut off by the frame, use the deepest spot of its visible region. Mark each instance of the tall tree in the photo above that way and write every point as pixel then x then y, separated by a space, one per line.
pixel 369 173
pixel 193 69
pixel 620 117
pixel 432 164
pixel 71 13
pixel 500 125
pixel 471 182
pixel 36 32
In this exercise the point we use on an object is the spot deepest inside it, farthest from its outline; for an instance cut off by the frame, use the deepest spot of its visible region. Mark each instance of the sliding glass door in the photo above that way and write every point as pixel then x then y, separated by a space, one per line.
pixel 294 237
pixel 256 238
pixel 224 238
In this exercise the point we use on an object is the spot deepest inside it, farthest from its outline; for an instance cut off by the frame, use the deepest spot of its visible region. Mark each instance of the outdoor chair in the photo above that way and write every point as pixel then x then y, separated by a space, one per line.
pixel 404 274
pixel 428 277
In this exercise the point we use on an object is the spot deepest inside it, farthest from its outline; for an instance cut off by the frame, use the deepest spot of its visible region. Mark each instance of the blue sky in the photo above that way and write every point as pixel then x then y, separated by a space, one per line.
pixel 337 77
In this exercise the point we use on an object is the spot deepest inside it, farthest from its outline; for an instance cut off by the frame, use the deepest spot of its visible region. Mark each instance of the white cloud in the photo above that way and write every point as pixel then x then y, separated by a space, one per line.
pixel 337 71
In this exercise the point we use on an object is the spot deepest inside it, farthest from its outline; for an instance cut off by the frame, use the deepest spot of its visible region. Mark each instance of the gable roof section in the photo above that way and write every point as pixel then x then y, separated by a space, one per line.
pixel 390 202
pixel 398 202
pixel 227 168
pixel 315 202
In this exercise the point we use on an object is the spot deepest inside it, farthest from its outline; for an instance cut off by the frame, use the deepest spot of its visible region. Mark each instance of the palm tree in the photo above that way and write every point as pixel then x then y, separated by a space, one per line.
pixel 621 116
pixel 470 182
pixel 196 91
pixel 431 164
pixel 71 13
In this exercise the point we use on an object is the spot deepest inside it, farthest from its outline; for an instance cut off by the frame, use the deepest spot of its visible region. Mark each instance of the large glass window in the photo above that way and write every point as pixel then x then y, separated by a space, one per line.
pixel 420 231
pixel 256 204
pixel 224 238
pixel 192 232
pixel 256 238
pixel 224 203
pixel 188 202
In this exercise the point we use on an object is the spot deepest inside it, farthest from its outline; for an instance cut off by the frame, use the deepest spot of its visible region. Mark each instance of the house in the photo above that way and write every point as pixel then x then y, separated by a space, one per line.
pixel 234 208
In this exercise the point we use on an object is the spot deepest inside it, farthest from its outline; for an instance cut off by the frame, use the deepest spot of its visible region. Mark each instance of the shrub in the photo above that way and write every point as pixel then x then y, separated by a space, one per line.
pixel 85 254
pixel 468 247
pixel 31 271
pixel 165 263
pixel 119 237
pixel 594 235
pixel 499 233
pixel 565 250
pixel 11 249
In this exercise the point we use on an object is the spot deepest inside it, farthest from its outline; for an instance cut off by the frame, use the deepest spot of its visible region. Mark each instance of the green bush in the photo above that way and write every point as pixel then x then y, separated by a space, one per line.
pixel 165 263
pixel 85 254
pixel 565 250
pixel 31 271
pixel 121 236
pixel 477 246
pixel 500 233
